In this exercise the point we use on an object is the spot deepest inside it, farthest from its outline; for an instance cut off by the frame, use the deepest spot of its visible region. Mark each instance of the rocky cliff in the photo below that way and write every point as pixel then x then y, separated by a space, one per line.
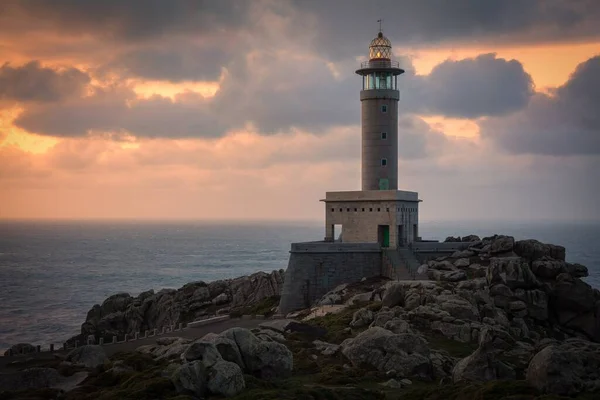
pixel 123 314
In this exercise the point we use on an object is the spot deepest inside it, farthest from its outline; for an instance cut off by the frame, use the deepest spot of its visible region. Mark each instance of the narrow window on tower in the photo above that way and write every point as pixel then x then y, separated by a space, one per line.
pixel 383 162
pixel 384 108
pixel 383 135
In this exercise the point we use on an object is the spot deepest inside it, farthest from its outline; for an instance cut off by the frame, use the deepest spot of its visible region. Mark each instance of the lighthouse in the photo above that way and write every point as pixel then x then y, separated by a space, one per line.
pixel 379 212
pixel 379 116
pixel 373 231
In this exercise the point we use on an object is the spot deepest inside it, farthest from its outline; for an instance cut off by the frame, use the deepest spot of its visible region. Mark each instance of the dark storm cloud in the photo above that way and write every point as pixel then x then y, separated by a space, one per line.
pixel 185 62
pixel 32 82
pixel 280 94
pixel 470 88
pixel 566 123
pixel 343 24
pixel 124 20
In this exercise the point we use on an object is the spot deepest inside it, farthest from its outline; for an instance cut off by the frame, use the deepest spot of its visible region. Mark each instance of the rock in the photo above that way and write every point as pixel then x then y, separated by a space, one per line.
pixel 533 250
pixel 422 269
pixel 482 365
pixel 502 244
pixel 572 296
pixel 512 272
pixel 392 383
pixel 225 378
pixel 462 262
pixel 360 298
pixel 463 254
pixel 266 360
pixel 393 295
pixel 327 349
pixel 122 314
pixel 31 378
pixel 577 270
pixel 447 276
pixel 268 335
pixel 548 268
pixel 458 307
pixel 167 352
pixel 452 239
pixel 21 348
pixel 91 356
pixel 220 299
pixel 397 325
pixel 406 353
pixel 362 317
pixel 471 238
pixel 567 368
pixel 406 382
pixel 191 378
pixel 200 350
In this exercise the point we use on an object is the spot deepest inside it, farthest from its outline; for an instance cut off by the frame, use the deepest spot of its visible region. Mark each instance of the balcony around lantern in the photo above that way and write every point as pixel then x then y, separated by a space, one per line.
pixel 380 65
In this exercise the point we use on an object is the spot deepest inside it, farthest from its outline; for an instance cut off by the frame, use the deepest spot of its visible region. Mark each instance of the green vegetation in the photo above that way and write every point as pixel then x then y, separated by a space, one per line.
pixel 266 307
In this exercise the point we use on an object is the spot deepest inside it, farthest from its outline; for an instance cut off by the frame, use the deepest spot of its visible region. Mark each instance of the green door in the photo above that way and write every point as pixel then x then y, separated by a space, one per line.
pixel 386 236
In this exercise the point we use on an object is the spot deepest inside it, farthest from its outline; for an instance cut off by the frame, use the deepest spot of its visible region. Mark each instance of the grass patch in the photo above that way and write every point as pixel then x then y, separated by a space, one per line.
pixel 453 347
pixel 266 307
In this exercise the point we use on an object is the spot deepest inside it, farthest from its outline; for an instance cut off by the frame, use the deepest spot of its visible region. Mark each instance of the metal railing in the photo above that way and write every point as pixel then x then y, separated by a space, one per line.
pixel 380 64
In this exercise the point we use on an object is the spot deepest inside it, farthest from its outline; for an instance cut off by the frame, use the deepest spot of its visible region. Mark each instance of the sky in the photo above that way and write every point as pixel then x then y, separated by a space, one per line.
pixel 248 110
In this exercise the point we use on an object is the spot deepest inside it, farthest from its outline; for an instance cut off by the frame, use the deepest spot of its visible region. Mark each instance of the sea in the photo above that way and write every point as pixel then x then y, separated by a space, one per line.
pixel 53 272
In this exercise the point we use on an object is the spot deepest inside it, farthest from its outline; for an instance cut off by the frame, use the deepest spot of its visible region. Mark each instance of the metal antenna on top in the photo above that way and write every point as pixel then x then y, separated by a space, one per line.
pixel 380 21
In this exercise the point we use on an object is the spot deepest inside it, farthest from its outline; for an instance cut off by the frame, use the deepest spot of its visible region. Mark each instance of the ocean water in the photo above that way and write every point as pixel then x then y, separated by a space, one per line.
pixel 52 273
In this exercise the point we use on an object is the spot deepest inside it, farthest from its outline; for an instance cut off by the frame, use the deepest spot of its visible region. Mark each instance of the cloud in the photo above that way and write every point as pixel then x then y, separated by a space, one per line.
pixel 278 92
pixel 341 25
pixel 471 88
pixel 32 82
pixel 565 122
pixel 135 20
pixel 118 111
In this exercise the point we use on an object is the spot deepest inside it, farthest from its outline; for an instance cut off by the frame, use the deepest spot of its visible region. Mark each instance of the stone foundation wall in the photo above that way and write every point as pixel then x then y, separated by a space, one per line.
pixel 315 268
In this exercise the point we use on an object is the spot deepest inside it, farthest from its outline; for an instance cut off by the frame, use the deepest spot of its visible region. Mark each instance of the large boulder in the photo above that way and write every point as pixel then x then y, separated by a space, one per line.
pixel 21 348
pixel 393 295
pixel 225 378
pixel 191 378
pixel 266 360
pixel 502 244
pixel 483 365
pixel 405 353
pixel 513 272
pixel 205 369
pixel 362 317
pixel 91 356
pixel 533 250
pixel 567 368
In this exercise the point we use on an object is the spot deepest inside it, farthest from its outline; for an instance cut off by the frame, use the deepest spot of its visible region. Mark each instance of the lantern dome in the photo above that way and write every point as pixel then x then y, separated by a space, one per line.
pixel 380 48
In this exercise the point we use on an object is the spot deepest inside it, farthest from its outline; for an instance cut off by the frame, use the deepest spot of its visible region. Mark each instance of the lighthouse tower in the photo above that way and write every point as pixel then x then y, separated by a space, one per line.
pixel 379 213
pixel 379 114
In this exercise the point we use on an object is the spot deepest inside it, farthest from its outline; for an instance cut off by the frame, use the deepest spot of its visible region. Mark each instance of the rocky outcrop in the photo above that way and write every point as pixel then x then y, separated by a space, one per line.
pixel 266 360
pixel 122 314
pixel 21 348
pixel 216 363
pixel 567 368
pixel 484 365
pixel 406 353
